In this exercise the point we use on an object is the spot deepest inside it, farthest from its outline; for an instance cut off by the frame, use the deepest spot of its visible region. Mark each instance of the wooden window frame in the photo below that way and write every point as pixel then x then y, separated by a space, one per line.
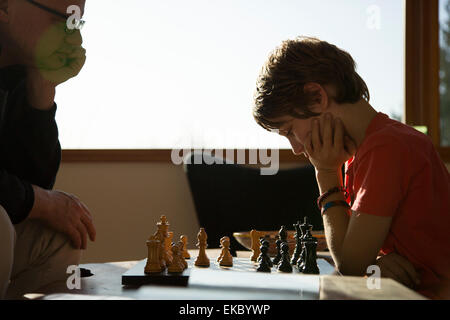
pixel 422 64
pixel 422 106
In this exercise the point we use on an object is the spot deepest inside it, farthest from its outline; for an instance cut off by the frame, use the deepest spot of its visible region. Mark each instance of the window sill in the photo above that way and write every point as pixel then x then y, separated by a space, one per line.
pixel 164 155
pixel 149 155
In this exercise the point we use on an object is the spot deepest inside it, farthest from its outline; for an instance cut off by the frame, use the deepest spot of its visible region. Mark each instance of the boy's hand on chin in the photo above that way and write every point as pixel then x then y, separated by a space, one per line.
pixel 328 147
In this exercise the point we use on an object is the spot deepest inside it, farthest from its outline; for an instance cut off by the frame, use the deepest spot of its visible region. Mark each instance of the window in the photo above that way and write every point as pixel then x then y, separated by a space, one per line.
pixel 181 74
pixel 444 74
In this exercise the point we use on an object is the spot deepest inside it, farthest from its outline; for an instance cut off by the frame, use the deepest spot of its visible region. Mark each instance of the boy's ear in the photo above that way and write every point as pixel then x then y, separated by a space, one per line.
pixel 320 96
pixel 4 12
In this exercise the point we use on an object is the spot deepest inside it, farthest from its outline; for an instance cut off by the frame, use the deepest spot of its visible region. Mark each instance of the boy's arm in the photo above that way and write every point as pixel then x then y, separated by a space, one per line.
pixel 355 241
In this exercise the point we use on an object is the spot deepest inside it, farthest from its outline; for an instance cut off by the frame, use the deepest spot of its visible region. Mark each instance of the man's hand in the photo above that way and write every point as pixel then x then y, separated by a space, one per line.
pixel 327 147
pixel 58 58
pixel 65 213
pixel 59 55
pixel 398 268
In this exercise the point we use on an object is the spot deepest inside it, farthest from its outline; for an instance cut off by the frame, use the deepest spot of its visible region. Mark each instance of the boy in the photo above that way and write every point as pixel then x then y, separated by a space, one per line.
pixel 394 203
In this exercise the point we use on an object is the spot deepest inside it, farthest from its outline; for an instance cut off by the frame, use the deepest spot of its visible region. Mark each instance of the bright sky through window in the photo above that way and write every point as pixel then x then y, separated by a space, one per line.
pixel 181 74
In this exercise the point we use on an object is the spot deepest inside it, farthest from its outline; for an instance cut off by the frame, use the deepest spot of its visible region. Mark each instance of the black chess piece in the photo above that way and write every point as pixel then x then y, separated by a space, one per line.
pixel 266 243
pixel 285 264
pixel 264 263
pixel 304 227
pixel 302 258
pixel 311 257
pixel 302 263
pixel 262 255
pixel 282 234
pixel 277 258
pixel 261 240
pixel 298 244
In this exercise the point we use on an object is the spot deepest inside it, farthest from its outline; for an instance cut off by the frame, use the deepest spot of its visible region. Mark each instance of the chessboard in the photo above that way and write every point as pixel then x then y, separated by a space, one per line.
pixel 169 263
pixel 136 276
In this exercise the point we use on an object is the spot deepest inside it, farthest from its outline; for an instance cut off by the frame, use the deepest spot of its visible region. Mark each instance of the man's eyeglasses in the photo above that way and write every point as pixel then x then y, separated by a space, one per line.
pixel 79 23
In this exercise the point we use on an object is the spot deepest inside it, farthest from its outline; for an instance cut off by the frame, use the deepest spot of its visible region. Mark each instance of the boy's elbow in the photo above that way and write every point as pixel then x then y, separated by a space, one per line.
pixel 347 268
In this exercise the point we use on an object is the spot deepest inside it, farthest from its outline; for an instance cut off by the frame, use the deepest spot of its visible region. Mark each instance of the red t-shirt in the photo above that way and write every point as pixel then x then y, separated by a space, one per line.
pixel 396 172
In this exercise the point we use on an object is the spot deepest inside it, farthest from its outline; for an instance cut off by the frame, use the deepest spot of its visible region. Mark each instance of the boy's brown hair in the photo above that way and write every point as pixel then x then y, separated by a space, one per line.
pixel 296 62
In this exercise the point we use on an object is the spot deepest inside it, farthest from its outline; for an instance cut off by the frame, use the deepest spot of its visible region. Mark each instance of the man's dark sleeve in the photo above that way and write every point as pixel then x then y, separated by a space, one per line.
pixel 30 154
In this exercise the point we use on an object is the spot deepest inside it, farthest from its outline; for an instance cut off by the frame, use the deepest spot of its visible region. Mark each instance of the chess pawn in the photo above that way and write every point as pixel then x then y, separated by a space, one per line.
pixel 285 264
pixel 310 266
pixel 202 259
pixel 153 265
pixel 176 265
pixel 264 263
pixel 254 236
pixel 277 258
pixel 226 259
pixel 221 252
pixel 180 252
pixel 265 243
pixel 185 252
pixel 264 255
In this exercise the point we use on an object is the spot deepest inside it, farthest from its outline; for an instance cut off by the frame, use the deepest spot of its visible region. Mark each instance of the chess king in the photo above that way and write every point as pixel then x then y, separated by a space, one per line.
pixel 397 189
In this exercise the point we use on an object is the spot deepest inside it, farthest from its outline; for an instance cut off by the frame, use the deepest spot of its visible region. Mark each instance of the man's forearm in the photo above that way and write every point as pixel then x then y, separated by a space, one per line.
pixel 335 219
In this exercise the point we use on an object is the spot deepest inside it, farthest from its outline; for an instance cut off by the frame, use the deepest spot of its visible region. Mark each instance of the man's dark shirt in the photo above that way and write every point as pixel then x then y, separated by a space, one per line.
pixel 30 152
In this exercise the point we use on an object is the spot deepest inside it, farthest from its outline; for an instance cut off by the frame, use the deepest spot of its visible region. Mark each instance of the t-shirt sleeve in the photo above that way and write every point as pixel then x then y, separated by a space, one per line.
pixel 379 178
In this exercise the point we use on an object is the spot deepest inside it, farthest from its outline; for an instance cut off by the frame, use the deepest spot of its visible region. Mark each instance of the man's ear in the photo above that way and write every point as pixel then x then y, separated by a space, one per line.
pixel 320 95
pixel 4 12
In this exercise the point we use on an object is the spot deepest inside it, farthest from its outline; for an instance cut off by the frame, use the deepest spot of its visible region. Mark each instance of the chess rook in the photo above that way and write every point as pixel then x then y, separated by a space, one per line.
pixel 153 265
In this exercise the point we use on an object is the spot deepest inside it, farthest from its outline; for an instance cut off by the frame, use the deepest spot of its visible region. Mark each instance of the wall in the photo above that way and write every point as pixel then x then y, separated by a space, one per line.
pixel 126 200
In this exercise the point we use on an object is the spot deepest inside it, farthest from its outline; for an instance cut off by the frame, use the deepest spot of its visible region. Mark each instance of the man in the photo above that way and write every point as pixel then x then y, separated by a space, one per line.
pixel 41 230
pixel 395 202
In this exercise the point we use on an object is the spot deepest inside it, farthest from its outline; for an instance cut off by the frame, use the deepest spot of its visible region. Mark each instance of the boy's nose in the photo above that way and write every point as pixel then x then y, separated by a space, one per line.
pixel 297 147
